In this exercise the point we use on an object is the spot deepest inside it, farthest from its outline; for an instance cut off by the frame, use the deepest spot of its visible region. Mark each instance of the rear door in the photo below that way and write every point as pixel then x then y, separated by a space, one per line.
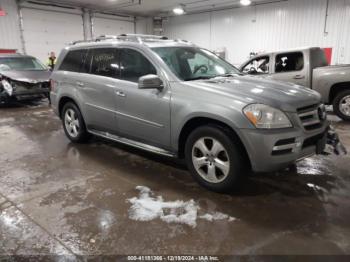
pixel 143 115
pixel 97 88
pixel 290 67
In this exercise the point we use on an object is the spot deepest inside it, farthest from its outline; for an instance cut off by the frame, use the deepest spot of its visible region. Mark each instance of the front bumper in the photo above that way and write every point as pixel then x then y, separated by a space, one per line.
pixel 25 94
pixel 272 150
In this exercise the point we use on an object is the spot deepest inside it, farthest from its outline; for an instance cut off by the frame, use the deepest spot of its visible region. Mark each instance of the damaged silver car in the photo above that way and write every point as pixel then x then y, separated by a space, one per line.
pixel 23 77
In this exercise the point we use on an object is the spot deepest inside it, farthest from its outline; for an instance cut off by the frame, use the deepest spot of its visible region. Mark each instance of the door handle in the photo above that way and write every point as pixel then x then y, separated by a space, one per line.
pixel 120 93
pixel 299 77
pixel 80 84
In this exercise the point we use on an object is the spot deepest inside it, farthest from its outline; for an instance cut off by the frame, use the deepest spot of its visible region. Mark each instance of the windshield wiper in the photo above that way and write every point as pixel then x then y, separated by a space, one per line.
pixel 198 78
pixel 229 75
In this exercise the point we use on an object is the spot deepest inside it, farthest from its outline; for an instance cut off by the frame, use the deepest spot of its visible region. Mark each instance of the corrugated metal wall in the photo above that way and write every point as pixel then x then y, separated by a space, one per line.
pixel 274 26
pixel 9 26
pixel 109 25
pixel 47 28
pixel 46 31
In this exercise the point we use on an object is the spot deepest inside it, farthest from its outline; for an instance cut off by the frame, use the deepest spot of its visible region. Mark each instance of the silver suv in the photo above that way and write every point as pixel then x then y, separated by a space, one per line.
pixel 173 98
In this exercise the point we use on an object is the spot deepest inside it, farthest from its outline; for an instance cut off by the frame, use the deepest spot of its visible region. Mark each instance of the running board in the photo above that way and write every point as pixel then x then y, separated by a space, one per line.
pixel 133 143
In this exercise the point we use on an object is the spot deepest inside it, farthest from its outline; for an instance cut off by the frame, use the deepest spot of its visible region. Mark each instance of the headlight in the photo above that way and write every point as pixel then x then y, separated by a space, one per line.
pixel 266 117
pixel 7 86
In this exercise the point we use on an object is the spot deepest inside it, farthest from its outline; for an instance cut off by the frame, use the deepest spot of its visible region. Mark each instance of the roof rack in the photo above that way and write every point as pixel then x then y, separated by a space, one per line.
pixel 124 37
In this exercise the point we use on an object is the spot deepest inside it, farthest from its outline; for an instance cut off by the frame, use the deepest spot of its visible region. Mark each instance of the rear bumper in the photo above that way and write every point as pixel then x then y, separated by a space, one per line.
pixel 272 150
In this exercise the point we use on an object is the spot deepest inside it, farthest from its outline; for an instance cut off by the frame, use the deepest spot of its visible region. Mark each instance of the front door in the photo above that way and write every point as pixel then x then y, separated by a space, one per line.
pixel 143 115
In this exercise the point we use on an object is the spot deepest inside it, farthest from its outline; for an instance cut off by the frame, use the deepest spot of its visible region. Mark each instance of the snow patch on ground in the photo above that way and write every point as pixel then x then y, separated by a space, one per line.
pixel 147 207
pixel 217 216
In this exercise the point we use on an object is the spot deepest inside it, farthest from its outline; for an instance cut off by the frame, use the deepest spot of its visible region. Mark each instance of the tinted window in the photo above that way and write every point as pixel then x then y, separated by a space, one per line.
pixel 134 65
pixel 104 62
pixel 74 61
pixel 258 66
pixel 289 62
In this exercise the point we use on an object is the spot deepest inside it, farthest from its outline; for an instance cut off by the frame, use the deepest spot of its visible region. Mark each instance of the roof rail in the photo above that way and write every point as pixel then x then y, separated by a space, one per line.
pixel 124 37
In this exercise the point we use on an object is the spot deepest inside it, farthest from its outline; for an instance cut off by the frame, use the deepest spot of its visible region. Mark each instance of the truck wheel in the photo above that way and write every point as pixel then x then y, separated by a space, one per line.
pixel 214 159
pixel 341 105
pixel 73 123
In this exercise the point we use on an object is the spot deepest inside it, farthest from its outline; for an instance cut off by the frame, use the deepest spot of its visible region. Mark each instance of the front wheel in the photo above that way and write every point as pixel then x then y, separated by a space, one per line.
pixel 214 159
pixel 341 105
pixel 73 123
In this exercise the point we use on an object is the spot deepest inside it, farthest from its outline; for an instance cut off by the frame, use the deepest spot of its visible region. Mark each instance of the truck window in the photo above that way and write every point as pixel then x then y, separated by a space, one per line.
pixel 104 62
pixel 74 61
pixel 258 66
pixel 289 62
pixel 134 65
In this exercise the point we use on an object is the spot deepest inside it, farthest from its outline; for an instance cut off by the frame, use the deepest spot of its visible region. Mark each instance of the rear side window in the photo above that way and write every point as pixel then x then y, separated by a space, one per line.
pixel 134 65
pixel 74 61
pixel 289 62
pixel 104 62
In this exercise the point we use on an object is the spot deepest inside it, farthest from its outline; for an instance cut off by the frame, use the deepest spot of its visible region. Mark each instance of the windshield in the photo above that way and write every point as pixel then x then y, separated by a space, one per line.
pixel 20 64
pixel 191 63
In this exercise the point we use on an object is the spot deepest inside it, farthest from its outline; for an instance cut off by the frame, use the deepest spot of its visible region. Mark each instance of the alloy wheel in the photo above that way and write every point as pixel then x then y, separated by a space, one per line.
pixel 210 159
pixel 71 122
pixel 344 105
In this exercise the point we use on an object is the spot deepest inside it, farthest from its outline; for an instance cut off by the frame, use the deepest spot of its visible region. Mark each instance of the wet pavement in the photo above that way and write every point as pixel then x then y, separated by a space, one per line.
pixel 67 199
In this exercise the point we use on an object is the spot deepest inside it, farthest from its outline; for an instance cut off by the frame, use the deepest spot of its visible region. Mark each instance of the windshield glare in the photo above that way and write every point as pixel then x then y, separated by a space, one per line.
pixel 20 64
pixel 190 63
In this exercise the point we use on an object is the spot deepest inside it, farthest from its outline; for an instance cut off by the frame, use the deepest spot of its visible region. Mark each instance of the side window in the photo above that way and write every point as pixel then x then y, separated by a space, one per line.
pixel 134 65
pixel 289 62
pixel 74 61
pixel 258 66
pixel 104 62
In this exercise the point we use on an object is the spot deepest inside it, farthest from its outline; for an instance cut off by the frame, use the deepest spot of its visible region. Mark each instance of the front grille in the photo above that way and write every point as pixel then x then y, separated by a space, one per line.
pixel 24 86
pixel 310 117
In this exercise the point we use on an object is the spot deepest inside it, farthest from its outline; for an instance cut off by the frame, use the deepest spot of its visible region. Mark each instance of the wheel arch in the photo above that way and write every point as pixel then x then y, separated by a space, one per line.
pixel 336 89
pixel 64 100
pixel 199 121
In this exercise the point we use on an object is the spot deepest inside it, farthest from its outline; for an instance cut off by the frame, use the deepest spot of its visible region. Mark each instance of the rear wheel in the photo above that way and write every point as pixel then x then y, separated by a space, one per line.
pixel 341 105
pixel 214 159
pixel 73 123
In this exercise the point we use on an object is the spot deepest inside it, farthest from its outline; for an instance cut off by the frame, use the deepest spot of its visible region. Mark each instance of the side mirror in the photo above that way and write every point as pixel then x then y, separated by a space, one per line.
pixel 151 82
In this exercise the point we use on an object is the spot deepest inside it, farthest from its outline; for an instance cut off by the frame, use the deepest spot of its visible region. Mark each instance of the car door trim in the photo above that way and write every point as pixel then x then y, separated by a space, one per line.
pixel 126 115
pixel 133 143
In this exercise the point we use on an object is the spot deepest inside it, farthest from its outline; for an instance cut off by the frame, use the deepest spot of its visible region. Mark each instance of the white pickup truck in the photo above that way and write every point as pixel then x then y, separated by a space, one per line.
pixel 307 67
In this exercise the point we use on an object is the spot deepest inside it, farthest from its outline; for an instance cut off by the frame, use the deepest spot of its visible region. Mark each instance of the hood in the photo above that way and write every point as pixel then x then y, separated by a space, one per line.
pixel 28 76
pixel 248 90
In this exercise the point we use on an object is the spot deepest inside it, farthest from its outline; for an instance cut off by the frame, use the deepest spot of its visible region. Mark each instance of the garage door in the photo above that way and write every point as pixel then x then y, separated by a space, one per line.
pixel 106 26
pixel 46 31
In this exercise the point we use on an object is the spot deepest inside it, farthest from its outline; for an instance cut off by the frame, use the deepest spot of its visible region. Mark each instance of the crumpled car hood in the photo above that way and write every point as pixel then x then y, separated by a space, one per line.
pixel 28 76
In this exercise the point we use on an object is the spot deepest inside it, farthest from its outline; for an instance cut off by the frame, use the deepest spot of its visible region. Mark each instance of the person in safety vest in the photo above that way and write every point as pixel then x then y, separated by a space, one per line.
pixel 51 61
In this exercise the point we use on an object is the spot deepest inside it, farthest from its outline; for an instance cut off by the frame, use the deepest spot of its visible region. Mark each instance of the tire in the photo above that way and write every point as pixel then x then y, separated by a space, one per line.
pixel 73 124
pixel 225 159
pixel 342 100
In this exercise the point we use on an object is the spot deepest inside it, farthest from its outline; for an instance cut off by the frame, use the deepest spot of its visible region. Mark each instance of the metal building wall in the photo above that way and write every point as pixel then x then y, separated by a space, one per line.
pixel 9 26
pixel 282 25
pixel 112 25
